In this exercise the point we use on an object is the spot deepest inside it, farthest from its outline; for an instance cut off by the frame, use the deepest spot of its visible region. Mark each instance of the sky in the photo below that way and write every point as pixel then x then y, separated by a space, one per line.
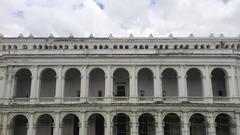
pixel 120 17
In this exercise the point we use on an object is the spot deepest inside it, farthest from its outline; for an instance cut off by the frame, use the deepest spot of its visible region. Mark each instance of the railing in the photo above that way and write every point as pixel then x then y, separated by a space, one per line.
pixel 67 100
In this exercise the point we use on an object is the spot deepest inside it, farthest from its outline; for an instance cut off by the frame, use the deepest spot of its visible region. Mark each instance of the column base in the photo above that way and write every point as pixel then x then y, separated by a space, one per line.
pixel 108 99
pixel 208 99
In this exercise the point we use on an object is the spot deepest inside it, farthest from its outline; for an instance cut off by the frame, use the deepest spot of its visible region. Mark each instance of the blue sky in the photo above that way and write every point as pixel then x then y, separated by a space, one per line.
pixel 120 17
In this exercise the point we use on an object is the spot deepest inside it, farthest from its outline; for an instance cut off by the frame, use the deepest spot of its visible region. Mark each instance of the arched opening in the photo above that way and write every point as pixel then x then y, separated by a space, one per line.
pixel 172 124
pixel 72 85
pixel 70 125
pixel 45 124
pixel 121 83
pixel 121 124
pixel 146 124
pixel 145 83
pixel 19 125
pixel 97 83
pixel 96 124
pixel 218 83
pixel 223 124
pixel 23 83
pixel 169 83
pixel 197 124
pixel 48 83
pixel 194 83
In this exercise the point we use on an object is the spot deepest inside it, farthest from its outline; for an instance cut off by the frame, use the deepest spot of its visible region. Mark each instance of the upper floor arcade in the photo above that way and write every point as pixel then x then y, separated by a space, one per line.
pixel 111 83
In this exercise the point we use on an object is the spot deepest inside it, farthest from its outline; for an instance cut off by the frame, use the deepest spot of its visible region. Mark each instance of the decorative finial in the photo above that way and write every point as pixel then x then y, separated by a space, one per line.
pixel 71 36
pixel 221 35
pixel 91 36
pixel 191 35
pixel 131 35
pixel 30 35
pixel 110 35
pixel 51 36
pixel 150 35
pixel 211 35
pixel 171 35
pixel 20 35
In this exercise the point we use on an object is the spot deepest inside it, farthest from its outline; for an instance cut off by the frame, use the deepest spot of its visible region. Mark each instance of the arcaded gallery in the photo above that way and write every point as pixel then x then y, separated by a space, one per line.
pixel 119 85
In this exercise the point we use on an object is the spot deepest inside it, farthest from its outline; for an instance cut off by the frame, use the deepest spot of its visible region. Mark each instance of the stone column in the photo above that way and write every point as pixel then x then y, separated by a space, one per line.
pixel 134 124
pixel 133 85
pixel 84 85
pixel 58 89
pixel 185 124
pixel 108 124
pixel 56 125
pixel 232 85
pixel 182 85
pixel 9 84
pixel 157 85
pixel 31 125
pixel 3 78
pixel 108 85
pixel 33 92
pixel 207 85
pixel 159 124
pixel 237 121
pixel 5 124
pixel 83 129
pixel 211 124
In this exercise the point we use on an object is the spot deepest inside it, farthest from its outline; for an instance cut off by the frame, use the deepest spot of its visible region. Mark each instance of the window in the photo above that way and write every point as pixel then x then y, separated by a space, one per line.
pixel 121 91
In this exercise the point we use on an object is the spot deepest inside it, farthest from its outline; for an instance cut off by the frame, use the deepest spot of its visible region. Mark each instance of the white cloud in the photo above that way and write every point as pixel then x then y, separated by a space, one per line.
pixel 119 17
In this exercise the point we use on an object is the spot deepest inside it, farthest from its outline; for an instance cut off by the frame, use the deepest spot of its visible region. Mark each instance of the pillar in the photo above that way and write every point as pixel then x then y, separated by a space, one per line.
pixel 108 124
pixel 134 124
pixel 207 85
pixel 56 124
pixel 232 85
pixel 31 129
pixel 211 124
pixel 58 89
pixel 182 85
pixel 157 84
pixel 133 85
pixel 33 93
pixel 108 85
pixel 83 126
pixel 237 121
pixel 159 124
pixel 5 124
pixel 185 124
pixel 9 80
pixel 84 85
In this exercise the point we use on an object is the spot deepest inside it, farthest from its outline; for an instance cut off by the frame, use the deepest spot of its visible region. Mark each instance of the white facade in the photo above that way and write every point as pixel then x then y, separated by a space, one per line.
pixel 119 86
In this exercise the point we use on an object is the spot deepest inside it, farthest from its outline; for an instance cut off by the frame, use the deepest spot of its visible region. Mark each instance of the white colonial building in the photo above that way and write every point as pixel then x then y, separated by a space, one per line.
pixel 119 86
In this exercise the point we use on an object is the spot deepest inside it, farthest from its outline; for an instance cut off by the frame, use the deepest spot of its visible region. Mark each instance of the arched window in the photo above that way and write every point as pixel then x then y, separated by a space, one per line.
pixel 19 125
pixel 45 125
pixel 223 125
pixel 48 83
pixel 70 125
pixel 219 83
pixel 146 124
pixel 169 83
pixel 121 124
pixel 197 124
pixel 97 83
pixel 121 82
pixel 172 124
pixel 95 124
pixel 194 83
pixel 72 83
pixel 145 83
pixel 23 83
